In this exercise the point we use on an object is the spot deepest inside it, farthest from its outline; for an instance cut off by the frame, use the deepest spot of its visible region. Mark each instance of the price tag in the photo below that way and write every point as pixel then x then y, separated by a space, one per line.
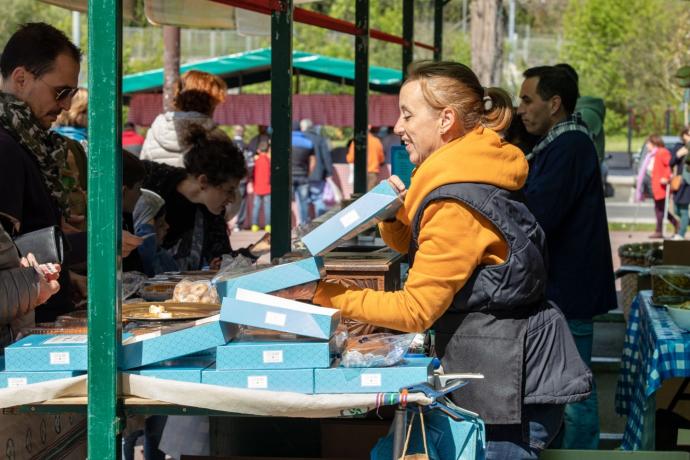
pixel 13 382
pixel 59 357
pixel 370 380
pixel 349 218
pixel 273 356
pixel 275 319
pixel 257 382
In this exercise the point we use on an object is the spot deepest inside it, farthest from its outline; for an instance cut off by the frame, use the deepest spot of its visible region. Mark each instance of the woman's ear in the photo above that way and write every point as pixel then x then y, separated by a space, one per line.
pixel 203 181
pixel 448 118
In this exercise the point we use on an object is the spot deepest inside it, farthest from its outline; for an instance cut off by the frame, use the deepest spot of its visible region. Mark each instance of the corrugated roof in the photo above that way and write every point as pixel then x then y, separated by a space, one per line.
pixel 254 66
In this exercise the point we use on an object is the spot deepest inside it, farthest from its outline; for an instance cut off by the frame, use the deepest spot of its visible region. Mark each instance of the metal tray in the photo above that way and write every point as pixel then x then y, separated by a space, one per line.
pixel 139 311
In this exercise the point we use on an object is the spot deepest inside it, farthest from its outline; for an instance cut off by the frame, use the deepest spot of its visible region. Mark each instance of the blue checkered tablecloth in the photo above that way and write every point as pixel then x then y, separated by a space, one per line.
pixel 655 349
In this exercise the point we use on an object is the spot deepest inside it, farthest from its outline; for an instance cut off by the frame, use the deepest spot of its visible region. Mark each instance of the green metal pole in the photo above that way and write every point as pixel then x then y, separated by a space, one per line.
pixel 104 227
pixel 408 35
pixel 281 121
pixel 361 94
pixel 438 29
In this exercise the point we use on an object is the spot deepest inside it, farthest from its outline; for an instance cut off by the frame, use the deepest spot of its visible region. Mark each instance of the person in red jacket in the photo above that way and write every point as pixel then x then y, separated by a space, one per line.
pixel 262 186
pixel 131 140
pixel 661 176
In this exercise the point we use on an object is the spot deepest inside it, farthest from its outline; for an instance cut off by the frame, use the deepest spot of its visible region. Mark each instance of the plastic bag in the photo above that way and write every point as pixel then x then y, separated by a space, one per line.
pixel 331 192
pixel 376 350
pixel 201 291
pixel 131 282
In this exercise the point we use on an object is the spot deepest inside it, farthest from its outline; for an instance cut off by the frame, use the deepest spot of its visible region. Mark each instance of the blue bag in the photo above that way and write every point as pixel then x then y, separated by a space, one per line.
pixel 447 439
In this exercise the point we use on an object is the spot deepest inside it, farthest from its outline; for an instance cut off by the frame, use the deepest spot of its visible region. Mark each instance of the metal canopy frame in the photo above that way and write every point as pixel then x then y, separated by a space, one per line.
pixel 105 421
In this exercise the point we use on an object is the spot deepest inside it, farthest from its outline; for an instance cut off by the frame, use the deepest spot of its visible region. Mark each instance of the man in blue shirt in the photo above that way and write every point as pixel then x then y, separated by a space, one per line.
pixel 565 193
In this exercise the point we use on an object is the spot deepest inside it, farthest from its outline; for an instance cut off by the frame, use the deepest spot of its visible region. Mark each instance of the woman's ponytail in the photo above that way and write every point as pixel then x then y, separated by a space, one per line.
pixel 498 109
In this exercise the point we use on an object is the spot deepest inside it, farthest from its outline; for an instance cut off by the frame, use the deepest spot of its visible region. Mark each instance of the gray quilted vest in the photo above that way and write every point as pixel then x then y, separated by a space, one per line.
pixel 499 324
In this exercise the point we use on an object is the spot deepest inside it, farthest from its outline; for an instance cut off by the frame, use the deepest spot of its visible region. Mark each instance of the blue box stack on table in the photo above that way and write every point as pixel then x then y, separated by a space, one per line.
pixel 258 341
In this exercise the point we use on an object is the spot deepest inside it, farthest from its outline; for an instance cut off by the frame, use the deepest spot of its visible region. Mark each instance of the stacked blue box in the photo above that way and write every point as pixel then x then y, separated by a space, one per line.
pixel 14 379
pixel 372 379
pixel 275 353
pixel 265 311
pixel 47 353
pixel 175 341
pixel 273 278
pixel 379 203
pixel 293 380
pixel 187 369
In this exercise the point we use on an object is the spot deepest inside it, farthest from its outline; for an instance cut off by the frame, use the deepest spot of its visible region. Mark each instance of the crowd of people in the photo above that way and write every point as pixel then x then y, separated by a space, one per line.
pixel 503 222
pixel 664 174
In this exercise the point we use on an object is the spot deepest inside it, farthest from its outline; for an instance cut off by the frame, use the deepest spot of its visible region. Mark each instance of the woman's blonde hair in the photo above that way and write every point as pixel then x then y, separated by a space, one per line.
pixel 78 113
pixel 199 92
pixel 451 84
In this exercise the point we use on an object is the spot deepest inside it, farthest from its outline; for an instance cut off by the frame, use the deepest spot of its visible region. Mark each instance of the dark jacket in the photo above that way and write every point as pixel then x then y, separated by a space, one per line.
pixel 18 287
pixel 324 164
pixel 500 324
pixel 565 194
pixel 181 214
pixel 682 196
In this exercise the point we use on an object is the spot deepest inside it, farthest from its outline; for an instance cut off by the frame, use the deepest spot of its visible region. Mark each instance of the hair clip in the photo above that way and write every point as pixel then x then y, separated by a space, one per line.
pixel 488 103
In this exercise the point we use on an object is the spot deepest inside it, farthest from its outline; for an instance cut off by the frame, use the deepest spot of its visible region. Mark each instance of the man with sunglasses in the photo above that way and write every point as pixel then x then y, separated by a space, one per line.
pixel 40 70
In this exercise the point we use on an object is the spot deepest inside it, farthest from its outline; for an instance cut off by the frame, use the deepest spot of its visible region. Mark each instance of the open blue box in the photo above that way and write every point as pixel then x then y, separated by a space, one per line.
pixel 268 353
pixel 373 379
pixel 175 341
pixel 48 353
pixel 294 380
pixel 379 203
pixel 186 369
pixel 265 311
pixel 273 278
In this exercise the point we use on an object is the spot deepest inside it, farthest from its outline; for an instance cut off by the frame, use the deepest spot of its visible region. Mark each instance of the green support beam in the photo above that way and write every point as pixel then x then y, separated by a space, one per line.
pixel 408 35
pixel 281 121
pixel 105 227
pixel 438 29
pixel 361 94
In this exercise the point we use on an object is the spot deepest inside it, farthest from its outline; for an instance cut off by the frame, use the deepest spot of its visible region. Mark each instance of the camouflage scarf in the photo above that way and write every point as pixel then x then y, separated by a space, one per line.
pixel 48 147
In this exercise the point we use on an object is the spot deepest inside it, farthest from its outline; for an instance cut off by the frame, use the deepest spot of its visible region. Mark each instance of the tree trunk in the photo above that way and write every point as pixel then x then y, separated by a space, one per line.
pixel 486 31
pixel 171 65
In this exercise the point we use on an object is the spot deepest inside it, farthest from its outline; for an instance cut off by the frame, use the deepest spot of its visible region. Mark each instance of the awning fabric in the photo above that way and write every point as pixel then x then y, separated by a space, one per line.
pixel 82 6
pixel 255 109
pixel 254 66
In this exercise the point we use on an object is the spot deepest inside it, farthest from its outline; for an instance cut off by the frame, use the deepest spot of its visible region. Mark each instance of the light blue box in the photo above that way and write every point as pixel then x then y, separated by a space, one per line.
pixel 175 342
pixel 372 379
pixel 187 369
pixel 293 380
pixel 273 278
pixel 275 354
pixel 270 312
pixel 379 203
pixel 14 379
pixel 48 353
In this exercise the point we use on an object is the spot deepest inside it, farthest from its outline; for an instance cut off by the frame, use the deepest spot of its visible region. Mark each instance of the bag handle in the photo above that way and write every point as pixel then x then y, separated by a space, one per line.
pixel 409 433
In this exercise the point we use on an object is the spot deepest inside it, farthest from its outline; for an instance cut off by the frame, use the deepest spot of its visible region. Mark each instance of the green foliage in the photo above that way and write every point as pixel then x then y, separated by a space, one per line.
pixel 16 12
pixel 627 51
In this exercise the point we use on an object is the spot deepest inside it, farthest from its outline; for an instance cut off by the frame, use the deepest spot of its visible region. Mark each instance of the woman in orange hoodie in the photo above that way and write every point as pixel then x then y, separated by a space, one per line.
pixel 477 271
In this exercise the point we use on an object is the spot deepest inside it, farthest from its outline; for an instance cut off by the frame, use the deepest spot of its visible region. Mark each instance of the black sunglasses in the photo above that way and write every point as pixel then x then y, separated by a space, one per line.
pixel 61 94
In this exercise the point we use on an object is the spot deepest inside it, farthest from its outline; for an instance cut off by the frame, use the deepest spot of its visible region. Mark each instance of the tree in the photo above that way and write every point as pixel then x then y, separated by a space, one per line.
pixel 626 51
pixel 487 31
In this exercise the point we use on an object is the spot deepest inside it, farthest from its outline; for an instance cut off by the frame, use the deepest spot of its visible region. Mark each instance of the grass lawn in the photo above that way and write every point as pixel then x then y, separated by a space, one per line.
pixel 619 143
pixel 621 227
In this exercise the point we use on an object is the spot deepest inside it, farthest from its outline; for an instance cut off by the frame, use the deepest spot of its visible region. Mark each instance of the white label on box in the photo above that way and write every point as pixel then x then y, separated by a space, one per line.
pixel 273 356
pixel 275 319
pixel 370 380
pixel 62 339
pixel 13 382
pixel 349 218
pixel 257 381
pixel 59 357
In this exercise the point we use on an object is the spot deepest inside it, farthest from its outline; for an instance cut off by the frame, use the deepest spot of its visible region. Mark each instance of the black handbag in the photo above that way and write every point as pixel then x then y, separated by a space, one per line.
pixel 46 244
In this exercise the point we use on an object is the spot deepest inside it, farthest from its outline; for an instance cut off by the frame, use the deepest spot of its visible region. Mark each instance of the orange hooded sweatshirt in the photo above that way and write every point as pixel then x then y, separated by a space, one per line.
pixel 453 238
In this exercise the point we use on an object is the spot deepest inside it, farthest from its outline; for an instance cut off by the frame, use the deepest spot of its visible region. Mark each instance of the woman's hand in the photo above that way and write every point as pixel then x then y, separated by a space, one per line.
pixel 129 243
pixel 398 185
pixel 682 152
pixel 663 181
pixel 48 275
